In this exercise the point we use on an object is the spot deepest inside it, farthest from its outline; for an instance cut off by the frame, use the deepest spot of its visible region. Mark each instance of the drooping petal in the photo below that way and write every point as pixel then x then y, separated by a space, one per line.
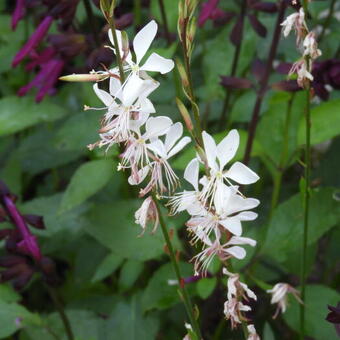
pixel 191 173
pixel 156 63
pixel 149 86
pixel 120 44
pixel 139 177
pixel 247 216
pixel 158 148
pixel 115 88
pixel 157 126
pixel 132 89
pixel 232 224
pixel 103 95
pixel 143 39
pixel 221 198
pixel 227 148
pixel 210 150
pixel 237 203
pixel 240 173
pixel 179 146
pixel 172 136
pixel 146 106
pixel 237 252
pixel 241 240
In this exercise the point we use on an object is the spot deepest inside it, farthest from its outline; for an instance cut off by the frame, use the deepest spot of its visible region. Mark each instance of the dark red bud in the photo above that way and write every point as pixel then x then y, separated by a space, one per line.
pixel 258 69
pixel 236 33
pixel 35 221
pixel 257 25
pixel 262 6
pixel 286 85
pixel 235 82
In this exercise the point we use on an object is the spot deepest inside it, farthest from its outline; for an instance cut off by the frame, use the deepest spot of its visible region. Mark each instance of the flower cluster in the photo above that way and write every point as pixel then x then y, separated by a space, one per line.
pixel 216 205
pixel 306 42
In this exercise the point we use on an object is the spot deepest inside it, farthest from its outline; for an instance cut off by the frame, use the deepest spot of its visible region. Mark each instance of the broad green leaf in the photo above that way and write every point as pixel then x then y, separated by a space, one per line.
pixel 268 333
pixel 317 299
pixel 325 123
pixel 279 123
pixel 129 274
pixel 114 226
pixel 88 179
pixel 78 131
pixel 206 286
pixel 13 317
pixel 8 294
pixel 18 113
pixel 162 289
pixel 128 322
pixel 285 231
pixel 110 263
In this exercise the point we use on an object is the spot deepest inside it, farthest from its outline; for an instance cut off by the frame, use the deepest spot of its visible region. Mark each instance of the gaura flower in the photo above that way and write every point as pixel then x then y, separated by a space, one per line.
pixel 303 72
pixel 296 21
pixel 217 157
pixel 147 212
pixel 233 311
pixel 252 335
pixel 279 296
pixel 141 44
pixel 311 46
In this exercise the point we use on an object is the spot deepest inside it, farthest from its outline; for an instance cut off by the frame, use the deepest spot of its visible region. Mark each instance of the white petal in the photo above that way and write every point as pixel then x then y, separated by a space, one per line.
pixel 142 173
pixel 172 136
pixel 240 173
pixel 143 40
pixel 132 90
pixel 145 106
pixel 227 148
pixel 247 216
pixel 149 85
pixel 210 150
pixel 157 126
pixel 221 198
pixel 115 88
pixel 120 44
pixel 237 252
pixel 105 97
pixel 156 63
pixel 157 147
pixel 241 241
pixel 191 173
pixel 180 145
pixel 232 224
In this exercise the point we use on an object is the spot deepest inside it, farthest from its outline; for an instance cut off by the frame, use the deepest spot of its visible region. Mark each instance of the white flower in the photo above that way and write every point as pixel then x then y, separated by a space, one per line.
pixel 224 252
pixel 279 295
pixel 218 156
pixel 296 20
pixel 160 167
pixel 311 46
pixel 141 43
pixel 303 73
pixel 233 311
pixel 236 288
pixel 252 335
pixel 147 212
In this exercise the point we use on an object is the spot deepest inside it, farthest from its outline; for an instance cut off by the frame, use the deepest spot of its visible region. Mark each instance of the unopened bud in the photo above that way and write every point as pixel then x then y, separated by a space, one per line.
pixel 107 7
pixel 84 77
pixel 185 114
pixel 182 73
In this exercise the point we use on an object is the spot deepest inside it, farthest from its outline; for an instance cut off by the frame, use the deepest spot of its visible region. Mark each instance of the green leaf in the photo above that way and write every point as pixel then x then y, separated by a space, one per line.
pixel 285 231
pixel 129 274
pixel 110 263
pixel 18 113
pixel 88 179
pixel 13 317
pixel 114 226
pixel 268 333
pixel 171 10
pixel 162 289
pixel 325 123
pixel 8 294
pixel 206 286
pixel 317 299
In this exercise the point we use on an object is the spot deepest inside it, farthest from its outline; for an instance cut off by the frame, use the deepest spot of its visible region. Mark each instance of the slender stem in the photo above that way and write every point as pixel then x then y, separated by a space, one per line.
pixel 165 21
pixel 137 12
pixel 111 21
pixel 182 287
pixel 276 192
pixel 306 214
pixel 234 65
pixel 92 22
pixel 328 20
pixel 264 83
pixel 67 325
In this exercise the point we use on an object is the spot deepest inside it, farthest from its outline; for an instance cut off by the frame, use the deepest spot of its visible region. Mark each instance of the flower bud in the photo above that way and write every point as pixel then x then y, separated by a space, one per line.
pixel 84 77
pixel 185 114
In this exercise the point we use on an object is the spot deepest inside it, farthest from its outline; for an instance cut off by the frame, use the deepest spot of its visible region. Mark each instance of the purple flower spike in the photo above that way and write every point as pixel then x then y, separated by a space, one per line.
pixel 33 41
pixel 18 13
pixel 28 244
pixel 208 11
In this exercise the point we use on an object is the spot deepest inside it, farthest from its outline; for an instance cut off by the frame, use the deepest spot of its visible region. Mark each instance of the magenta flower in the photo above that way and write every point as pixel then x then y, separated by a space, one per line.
pixel 208 11
pixel 18 13
pixel 33 41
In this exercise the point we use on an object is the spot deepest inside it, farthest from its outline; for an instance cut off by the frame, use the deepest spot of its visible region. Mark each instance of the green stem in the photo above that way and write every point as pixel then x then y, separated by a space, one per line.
pixel 306 213
pixel 137 12
pixel 111 22
pixel 276 192
pixel 182 287
pixel 92 22
pixel 67 325
pixel 328 20
pixel 165 21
